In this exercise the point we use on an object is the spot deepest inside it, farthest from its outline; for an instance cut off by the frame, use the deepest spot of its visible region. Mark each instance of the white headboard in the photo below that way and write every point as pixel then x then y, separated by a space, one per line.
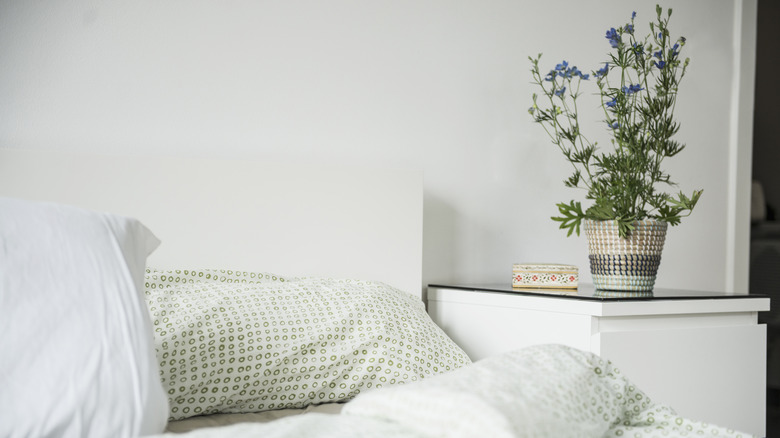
pixel 287 219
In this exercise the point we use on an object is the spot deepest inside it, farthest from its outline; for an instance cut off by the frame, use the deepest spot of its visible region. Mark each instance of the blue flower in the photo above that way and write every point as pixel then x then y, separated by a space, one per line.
pixel 660 64
pixel 633 15
pixel 560 92
pixel 631 89
pixel 639 49
pixel 562 66
pixel 659 54
pixel 602 71
pixel 550 76
pixel 613 37
pixel 614 125
pixel 612 103
pixel 629 28
pixel 675 50
pixel 574 71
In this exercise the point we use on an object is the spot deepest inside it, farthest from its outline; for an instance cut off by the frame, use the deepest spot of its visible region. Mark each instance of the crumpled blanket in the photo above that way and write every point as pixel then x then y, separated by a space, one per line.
pixel 540 391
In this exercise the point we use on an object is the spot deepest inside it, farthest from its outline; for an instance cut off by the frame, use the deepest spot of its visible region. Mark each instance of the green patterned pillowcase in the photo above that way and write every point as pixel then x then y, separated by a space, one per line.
pixel 232 342
pixel 167 278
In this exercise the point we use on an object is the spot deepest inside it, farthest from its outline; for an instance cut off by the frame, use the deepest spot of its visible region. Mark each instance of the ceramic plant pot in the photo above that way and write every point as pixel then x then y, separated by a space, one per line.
pixel 625 264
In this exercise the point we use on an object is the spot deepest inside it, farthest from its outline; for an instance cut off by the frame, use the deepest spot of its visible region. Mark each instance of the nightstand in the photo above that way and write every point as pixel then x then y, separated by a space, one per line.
pixel 703 353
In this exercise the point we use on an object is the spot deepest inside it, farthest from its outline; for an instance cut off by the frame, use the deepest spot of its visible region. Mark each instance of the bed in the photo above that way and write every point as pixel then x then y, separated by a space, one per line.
pixel 146 296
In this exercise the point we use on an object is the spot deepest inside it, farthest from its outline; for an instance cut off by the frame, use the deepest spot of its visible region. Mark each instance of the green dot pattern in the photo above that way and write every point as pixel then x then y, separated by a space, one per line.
pixel 234 341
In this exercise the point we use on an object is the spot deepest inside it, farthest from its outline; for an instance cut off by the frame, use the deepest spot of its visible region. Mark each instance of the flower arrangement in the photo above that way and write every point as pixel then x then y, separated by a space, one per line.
pixel 638 87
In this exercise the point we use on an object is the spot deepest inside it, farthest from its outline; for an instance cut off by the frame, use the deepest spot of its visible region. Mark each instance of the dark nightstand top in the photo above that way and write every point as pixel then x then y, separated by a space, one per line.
pixel 589 292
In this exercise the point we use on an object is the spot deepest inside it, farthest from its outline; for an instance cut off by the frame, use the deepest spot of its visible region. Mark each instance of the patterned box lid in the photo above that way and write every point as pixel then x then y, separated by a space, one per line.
pixel 543 275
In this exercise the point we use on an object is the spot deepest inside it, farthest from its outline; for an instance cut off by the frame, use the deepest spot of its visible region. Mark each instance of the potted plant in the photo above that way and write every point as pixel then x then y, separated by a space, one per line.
pixel 638 85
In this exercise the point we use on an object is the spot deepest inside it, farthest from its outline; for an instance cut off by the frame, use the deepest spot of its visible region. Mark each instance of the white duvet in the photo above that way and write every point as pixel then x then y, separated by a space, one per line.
pixel 542 391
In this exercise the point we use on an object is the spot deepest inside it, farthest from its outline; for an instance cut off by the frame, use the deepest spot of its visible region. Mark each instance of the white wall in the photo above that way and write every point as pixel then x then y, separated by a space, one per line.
pixel 436 85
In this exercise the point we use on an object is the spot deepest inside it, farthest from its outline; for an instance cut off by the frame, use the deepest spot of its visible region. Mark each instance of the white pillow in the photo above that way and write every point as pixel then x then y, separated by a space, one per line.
pixel 76 346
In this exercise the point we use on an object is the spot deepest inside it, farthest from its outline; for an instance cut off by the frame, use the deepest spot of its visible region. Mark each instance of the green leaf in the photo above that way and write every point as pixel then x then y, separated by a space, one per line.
pixel 601 210
pixel 573 180
pixel 571 217
pixel 625 226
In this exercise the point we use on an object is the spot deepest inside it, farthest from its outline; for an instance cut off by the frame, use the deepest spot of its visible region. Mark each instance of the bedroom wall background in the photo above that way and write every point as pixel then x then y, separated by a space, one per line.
pixel 437 85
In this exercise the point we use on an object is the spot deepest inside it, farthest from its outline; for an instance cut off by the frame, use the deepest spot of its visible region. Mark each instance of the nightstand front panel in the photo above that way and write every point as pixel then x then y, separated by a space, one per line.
pixel 713 374
pixel 484 331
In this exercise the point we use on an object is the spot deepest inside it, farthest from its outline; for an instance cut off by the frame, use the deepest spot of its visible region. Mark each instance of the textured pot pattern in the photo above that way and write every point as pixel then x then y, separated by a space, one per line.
pixel 625 264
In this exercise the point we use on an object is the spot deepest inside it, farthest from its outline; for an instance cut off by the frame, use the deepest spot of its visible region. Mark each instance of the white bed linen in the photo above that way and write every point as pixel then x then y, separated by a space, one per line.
pixel 221 420
pixel 541 391
pixel 76 347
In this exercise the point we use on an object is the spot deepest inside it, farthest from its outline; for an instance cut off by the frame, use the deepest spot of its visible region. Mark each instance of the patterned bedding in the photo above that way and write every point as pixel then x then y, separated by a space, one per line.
pixel 541 391
pixel 232 342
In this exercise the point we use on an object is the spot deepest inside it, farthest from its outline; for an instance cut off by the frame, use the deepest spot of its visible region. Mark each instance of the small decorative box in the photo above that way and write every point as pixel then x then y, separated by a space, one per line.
pixel 545 275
